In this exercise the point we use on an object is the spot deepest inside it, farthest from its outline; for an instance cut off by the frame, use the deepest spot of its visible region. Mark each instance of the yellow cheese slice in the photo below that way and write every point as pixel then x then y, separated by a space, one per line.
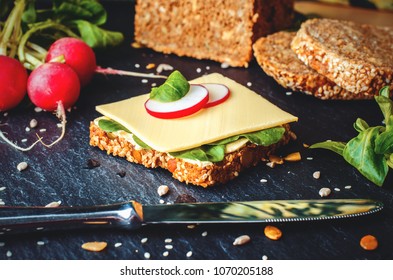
pixel 244 111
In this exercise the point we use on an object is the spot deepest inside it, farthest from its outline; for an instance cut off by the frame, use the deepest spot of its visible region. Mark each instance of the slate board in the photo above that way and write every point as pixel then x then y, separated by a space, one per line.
pixel 60 174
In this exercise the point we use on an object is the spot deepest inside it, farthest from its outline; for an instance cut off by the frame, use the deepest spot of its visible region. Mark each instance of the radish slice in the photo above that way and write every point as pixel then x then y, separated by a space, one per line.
pixel 218 93
pixel 196 98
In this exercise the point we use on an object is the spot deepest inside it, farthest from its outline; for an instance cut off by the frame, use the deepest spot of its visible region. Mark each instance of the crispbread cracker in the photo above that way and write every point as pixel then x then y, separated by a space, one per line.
pixel 275 56
pixel 357 57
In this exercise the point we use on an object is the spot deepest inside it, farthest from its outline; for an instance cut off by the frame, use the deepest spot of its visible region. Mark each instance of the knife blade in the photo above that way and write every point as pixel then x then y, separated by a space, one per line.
pixel 132 215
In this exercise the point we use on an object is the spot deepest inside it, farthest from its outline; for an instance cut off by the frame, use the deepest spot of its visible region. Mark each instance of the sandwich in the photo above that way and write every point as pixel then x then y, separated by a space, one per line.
pixel 206 147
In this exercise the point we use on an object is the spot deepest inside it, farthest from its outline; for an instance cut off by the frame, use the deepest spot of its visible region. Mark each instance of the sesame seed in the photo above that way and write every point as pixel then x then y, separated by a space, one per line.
pixel 337 189
pixel 43 130
pixel 146 255
pixel 40 243
pixel 2 202
pixel 347 187
pixel 324 192
pixel 224 65
pixel 153 84
pixel 33 123
pixel 309 158
pixel 191 226
pixel 137 65
pixel 118 244
pixel 165 254
pixel 9 254
pixel 288 93
pixel 144 240
pixel 199 70
pixel 162 190
pixel 39 228
pixel 168 240
pixel 243 239
pixel 169 247
pixel 204 233
pixel 145 81
pixel 164 67
pixel 2 244
pixel 316 174
pixel 59 125
pixel 162 201
pixel 264 257
pixel 263 181
pixel 37 109
pixel 207 67
pixel 27 129
pixel 53 204
pixel 5 114
pixel 22 166
pixel 24 140
pixel 189 254
pixel 2 188
pixel 249 84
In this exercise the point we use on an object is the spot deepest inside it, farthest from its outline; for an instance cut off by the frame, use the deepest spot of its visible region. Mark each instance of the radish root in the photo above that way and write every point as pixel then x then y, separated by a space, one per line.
pixel 111 71
pixel 9 142
pixel 60 113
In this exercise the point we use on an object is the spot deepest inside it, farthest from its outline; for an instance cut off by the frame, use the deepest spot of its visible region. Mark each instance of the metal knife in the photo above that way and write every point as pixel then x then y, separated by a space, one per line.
pixel 132 215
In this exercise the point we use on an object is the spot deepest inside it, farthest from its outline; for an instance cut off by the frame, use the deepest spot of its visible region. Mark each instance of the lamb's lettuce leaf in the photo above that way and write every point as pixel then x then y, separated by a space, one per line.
pixel 175 87
pixel 213 152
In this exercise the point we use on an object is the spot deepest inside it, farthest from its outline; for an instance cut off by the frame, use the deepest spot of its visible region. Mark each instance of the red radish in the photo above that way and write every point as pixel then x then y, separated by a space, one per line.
pixel 54 87
pixel 192 102
pixel 13 80
pixel 77 54
pixel 81 58
pixel 51 83
pixel 218 93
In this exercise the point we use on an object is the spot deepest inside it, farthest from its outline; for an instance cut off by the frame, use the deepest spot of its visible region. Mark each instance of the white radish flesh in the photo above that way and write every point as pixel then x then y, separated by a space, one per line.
pixel 196 98
pixel 218 93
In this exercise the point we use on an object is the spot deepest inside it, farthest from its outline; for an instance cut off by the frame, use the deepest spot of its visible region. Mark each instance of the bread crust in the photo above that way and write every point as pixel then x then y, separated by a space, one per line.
pixel 218 30
pixel 183 170
pixel 275 56
pixel 357 57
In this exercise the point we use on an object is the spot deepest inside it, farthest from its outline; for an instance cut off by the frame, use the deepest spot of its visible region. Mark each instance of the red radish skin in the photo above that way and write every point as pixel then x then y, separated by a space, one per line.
pixel 77 54
pixel 218 93
pixel 13 80
pixel 81 57
pixel 192 102
pixel 53 82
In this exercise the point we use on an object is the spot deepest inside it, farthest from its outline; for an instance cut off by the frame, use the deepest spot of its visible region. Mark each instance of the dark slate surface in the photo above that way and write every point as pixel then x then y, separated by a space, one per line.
pixel 59 173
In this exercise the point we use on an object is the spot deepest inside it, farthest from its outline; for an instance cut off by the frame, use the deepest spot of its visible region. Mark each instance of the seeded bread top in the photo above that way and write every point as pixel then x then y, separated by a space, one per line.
pixel 358 57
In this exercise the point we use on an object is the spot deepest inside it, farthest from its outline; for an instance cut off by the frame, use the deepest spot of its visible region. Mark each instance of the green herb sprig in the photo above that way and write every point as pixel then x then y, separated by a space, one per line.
pixel 26 31
pixel 371 151
pixel 174 88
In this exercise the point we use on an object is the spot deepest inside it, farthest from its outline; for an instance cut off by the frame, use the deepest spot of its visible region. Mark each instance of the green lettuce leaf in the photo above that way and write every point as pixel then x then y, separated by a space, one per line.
pixel 213 152
pixel 112 126
pixel 174 88
pixel 360 153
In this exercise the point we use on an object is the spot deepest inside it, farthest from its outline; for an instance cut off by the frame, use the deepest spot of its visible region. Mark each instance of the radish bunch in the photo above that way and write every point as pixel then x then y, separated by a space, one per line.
pixel 54 85
pixel 13 82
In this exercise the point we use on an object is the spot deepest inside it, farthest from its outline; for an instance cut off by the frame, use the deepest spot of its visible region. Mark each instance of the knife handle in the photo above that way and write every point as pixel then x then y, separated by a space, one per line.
pixel 18 219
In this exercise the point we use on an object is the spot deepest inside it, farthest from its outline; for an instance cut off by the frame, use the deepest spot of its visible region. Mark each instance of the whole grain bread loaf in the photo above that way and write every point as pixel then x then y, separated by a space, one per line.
pixel 190 172
pixel 275 56
pixel 218 30
pixel 357 57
